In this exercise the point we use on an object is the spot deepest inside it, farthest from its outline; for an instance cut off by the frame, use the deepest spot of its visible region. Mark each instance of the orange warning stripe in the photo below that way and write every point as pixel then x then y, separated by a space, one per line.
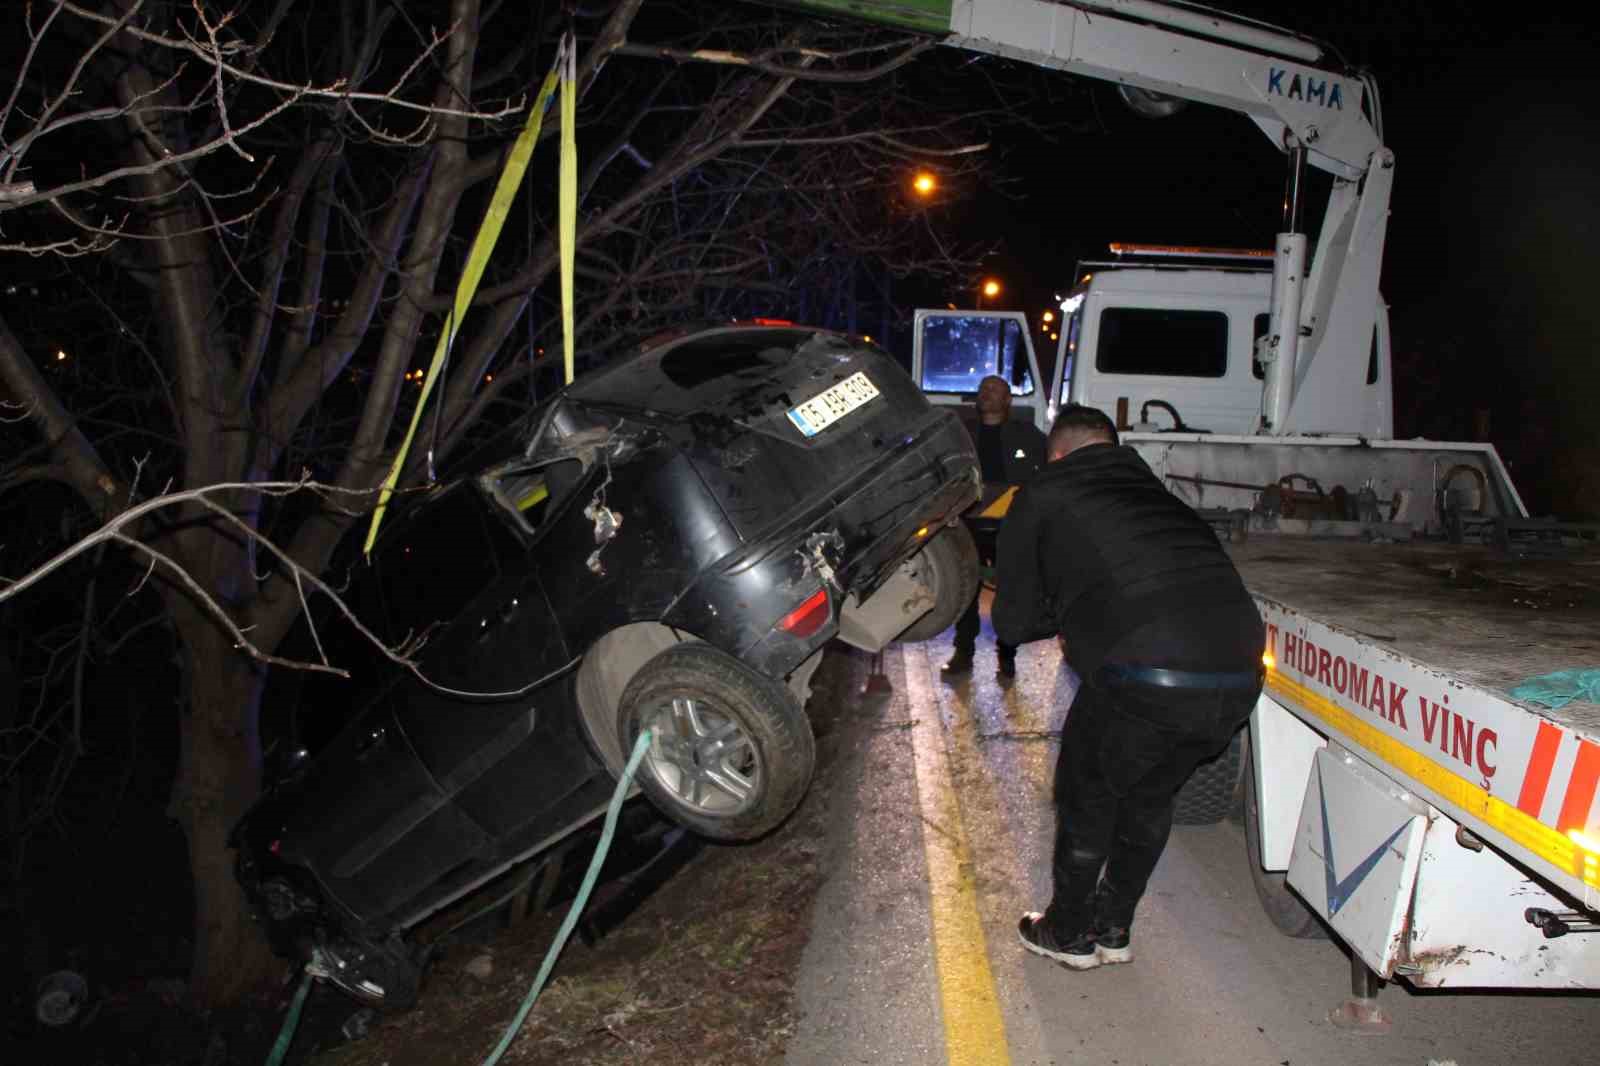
pixel 1580 789
pixel 1536 780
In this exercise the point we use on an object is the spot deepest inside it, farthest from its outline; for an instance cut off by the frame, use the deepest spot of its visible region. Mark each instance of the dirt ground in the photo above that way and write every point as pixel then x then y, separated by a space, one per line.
pixel 701 972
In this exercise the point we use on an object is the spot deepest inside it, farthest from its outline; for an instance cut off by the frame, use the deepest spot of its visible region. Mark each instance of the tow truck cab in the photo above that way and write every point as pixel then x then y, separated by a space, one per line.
pixel 1162 339
pixel 1169 342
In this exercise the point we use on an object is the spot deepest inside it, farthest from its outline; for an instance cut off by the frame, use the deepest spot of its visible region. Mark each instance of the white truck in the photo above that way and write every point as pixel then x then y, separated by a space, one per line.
pixel 1447 832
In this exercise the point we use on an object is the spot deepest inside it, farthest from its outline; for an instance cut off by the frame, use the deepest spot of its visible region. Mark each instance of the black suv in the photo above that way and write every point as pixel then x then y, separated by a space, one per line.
pixel 667 544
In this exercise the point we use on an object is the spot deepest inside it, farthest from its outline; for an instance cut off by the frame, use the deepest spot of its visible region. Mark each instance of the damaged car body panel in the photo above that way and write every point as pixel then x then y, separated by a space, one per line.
pixel 669 547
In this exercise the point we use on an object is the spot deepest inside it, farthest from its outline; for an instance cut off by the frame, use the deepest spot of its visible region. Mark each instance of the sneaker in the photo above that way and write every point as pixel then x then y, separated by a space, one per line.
pixel 1113 945
pixel 960 663
pixel 1111 931
pixel 1076 954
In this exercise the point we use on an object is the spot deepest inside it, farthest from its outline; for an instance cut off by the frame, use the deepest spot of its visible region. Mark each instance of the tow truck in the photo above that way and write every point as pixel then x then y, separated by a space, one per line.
pixel 1394 791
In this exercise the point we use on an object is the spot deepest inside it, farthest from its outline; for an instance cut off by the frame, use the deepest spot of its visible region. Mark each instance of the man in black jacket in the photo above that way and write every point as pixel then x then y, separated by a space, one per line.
pixel 1009 453
pixel 1167 647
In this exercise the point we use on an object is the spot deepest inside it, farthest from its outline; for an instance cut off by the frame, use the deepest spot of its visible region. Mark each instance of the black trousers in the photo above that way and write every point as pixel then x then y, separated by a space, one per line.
pixel 1126 749
pixel 970 624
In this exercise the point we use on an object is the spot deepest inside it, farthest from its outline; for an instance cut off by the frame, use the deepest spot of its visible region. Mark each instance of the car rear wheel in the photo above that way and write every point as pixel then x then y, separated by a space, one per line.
pixel 948 565
pixel 731 751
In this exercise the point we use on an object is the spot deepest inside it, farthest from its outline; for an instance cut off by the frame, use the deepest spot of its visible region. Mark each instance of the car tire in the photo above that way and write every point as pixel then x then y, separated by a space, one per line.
pixel 1212 791
pixel 732 752
pixel 950 561
pixel 1287 911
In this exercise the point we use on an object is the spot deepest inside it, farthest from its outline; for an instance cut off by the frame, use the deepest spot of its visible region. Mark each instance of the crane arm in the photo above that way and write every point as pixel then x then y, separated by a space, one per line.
pixel 1272 77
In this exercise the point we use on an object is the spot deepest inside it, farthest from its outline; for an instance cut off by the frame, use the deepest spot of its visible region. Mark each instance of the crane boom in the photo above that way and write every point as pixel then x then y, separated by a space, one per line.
pixel 1268 76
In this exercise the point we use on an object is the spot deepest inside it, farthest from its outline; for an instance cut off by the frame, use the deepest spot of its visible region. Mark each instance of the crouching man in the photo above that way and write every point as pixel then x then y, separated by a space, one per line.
pixel 1167 647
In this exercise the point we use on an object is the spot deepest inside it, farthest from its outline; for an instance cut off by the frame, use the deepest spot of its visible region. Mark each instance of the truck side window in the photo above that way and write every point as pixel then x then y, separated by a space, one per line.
pixel 1149 340
pixel 958 351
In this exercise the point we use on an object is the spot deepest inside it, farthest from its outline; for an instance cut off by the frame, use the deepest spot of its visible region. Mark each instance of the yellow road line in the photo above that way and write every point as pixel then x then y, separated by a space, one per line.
pixel 974 1032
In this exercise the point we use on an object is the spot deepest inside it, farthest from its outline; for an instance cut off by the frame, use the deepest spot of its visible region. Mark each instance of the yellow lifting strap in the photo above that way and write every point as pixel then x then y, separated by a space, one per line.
pixel 1000 505
pixel 516 165
pixel 568 197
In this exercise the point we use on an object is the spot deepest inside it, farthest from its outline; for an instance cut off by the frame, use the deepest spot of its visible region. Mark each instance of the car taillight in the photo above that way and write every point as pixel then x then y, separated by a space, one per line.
pixel 809 617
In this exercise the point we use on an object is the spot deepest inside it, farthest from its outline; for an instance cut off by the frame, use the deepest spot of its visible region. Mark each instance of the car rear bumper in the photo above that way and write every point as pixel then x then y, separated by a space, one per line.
pixel 891 513
pixel 847 542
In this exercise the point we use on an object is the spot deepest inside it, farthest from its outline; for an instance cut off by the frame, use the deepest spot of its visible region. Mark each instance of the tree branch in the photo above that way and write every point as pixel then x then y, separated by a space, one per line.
pixel 80 463
pixel 802 71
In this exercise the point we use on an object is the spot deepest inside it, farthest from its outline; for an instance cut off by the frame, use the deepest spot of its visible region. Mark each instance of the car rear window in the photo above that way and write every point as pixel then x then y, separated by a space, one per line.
pixel 705 359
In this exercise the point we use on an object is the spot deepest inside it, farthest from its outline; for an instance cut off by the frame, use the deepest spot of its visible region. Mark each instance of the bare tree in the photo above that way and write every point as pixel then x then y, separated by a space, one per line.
pixel 261 211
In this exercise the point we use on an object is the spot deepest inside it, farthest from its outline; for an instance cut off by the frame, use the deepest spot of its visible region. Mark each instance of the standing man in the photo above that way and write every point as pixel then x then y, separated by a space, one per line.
pixel 1009 453
pixel 1167 646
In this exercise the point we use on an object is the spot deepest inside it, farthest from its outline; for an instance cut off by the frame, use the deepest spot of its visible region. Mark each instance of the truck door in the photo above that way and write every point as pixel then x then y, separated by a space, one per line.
pixel 952 351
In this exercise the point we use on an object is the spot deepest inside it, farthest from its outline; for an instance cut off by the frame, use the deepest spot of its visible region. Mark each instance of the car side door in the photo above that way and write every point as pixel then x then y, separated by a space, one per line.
pixel 493 721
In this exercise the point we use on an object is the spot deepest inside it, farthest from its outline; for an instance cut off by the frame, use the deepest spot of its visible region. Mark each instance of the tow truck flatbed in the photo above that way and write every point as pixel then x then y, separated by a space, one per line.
pixel 1473 614
pixel 1401 658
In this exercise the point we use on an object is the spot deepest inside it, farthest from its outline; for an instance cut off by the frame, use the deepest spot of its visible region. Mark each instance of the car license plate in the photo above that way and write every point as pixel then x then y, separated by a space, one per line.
pixel 826 408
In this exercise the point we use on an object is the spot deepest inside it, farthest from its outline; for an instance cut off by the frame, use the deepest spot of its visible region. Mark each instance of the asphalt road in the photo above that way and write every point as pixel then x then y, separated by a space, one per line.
pixel 914 956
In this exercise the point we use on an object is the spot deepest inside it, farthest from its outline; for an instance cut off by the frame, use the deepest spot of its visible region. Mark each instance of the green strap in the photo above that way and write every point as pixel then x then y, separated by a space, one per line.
pixel 640 746
pixel 291 1021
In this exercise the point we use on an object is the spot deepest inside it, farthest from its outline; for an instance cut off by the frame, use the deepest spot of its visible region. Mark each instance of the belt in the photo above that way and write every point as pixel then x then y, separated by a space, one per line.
pixel 1191 679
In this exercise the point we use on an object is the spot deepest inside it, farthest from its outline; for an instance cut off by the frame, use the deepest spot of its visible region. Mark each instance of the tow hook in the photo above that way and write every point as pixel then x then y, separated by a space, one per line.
pixel 606 523
pixel 816 555
pixel 328 965
pixel 1559 923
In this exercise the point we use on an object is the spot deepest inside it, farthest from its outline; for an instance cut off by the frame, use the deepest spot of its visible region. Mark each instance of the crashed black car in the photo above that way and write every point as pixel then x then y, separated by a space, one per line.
pixel 668 544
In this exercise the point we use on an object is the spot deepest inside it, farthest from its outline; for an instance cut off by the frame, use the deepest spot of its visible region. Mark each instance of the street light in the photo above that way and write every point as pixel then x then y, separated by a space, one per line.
pixel 924 183
pixel 989 288
pixel 1049 317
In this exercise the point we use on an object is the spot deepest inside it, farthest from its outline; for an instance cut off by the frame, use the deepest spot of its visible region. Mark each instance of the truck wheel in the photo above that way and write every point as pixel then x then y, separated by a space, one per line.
pixel 1287 911
pixel 948 564
pixel 732 752
pixel 1211 792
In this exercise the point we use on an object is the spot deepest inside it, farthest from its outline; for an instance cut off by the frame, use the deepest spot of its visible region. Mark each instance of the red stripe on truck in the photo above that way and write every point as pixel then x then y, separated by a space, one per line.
pixel 1580 790
pixel 1537 780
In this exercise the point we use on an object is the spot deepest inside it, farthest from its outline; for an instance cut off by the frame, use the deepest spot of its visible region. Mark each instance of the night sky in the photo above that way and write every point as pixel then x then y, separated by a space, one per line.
pixel 1494 239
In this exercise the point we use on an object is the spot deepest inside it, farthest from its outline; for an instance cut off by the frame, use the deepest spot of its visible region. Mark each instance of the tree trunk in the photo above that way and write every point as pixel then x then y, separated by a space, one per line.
pixel 219 775
pixel 35 953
